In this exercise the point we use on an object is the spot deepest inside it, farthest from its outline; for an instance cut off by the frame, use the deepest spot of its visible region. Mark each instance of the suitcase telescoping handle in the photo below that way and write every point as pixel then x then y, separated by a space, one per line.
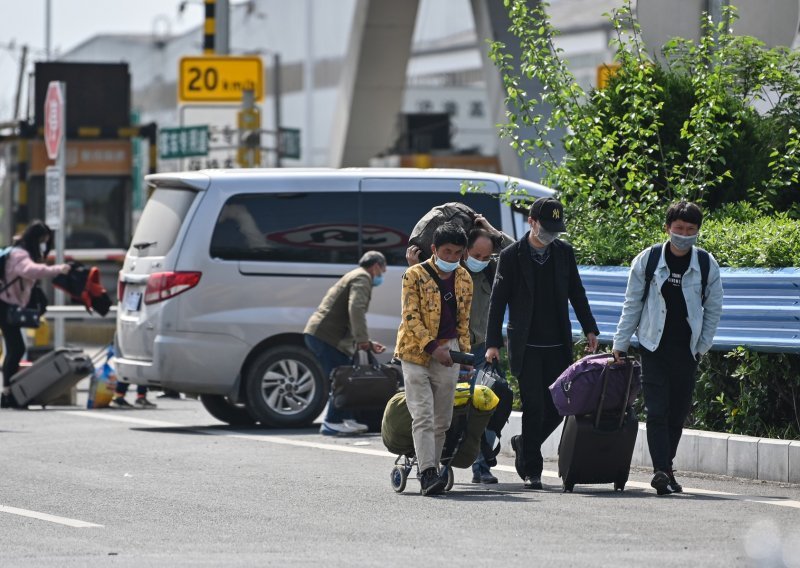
pixel 599 412
pixel 629 361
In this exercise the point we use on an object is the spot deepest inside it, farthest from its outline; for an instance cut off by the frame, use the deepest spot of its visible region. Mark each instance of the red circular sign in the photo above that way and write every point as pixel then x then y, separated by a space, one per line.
pixel 53 120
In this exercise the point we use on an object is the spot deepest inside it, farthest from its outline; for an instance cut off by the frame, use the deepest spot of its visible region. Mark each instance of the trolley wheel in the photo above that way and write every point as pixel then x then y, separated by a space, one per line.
pixel 568 487
pixel 619 486
pixel 398 478
pixel 451 479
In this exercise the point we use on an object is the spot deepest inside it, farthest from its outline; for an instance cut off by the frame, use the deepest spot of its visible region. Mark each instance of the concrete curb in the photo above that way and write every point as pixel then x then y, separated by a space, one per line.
pixel 703 452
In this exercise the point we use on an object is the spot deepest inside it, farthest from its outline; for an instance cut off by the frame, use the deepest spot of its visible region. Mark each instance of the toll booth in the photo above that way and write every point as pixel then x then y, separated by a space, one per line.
pixel 102 167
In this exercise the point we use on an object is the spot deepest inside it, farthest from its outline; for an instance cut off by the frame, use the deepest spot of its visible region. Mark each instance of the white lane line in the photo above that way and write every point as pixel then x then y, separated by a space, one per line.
pixel 117 418
pixel 777 501
pixel 46 517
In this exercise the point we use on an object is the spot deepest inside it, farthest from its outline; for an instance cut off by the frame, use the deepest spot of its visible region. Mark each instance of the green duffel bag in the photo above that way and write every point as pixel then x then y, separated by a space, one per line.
pixel 397 437
pixel 396 426
pixel 471 444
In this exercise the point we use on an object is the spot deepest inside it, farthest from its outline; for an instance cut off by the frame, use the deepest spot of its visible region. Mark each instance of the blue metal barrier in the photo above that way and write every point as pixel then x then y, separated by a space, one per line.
pixel 760 310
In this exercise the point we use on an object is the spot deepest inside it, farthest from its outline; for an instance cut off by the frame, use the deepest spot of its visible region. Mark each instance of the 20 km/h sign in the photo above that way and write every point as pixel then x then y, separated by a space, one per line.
pixel 219 79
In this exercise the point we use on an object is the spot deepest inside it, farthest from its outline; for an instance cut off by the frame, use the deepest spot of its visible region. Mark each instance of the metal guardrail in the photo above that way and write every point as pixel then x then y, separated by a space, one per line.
pixel 760 310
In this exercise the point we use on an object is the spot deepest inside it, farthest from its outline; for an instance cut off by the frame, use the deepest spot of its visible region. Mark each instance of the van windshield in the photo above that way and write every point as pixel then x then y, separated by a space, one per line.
pixel 161 220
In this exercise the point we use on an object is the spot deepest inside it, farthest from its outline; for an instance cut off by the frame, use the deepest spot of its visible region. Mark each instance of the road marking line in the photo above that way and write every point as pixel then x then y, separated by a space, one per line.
pixel 778 501
pixel 46 517
pixel 116 418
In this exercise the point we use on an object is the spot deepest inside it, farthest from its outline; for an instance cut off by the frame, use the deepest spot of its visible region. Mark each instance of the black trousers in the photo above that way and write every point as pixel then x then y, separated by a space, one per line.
pixel 14 346
pixel 540 368
pixel 668 380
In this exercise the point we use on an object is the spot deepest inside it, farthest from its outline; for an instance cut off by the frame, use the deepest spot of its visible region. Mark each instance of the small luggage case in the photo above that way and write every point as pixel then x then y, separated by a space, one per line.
pixel 50 376
pixel 598 448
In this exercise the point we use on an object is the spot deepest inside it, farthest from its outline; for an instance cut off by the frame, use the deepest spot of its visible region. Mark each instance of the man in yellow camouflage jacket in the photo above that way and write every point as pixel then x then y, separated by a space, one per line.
pixel 436 301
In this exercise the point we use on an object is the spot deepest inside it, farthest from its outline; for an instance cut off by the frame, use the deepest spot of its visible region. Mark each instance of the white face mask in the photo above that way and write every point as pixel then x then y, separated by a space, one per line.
pixel 545 237
pixel 682 242
pixel 43 248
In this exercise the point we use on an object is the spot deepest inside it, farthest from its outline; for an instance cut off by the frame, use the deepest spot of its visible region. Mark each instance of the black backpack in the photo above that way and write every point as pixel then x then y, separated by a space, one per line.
pixel 655 256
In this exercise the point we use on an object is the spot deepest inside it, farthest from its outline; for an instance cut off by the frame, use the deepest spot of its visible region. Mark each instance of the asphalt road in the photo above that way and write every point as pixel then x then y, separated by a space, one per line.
pixel 173 487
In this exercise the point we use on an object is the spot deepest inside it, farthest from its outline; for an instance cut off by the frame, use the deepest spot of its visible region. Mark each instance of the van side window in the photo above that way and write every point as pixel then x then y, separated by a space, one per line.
pixel 389 217
pixel 288 227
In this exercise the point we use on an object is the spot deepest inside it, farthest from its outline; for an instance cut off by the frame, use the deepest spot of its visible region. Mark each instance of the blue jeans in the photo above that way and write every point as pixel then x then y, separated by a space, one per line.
pixel 329 358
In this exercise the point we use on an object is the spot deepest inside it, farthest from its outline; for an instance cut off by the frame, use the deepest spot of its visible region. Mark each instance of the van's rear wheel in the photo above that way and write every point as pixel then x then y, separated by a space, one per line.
pixel 221 408
pixel 285 387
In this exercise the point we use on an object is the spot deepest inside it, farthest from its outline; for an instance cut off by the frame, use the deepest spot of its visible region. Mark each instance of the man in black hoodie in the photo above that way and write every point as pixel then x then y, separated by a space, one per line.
pixel 535 278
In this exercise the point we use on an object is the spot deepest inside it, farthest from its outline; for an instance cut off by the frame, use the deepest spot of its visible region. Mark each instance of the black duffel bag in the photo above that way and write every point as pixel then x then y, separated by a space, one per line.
pixel 364 384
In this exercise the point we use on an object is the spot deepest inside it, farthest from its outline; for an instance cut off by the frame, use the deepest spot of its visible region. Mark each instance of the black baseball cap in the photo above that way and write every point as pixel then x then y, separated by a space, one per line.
pixel 550 213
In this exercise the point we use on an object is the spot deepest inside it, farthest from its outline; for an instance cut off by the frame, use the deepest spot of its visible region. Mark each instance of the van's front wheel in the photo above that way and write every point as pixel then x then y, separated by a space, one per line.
pixel 285 387
pixel 221 408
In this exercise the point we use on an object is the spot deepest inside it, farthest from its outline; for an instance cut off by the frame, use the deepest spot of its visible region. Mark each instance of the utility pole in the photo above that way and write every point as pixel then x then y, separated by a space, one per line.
pixel 23 61
pixel 47 29
pixel 223 31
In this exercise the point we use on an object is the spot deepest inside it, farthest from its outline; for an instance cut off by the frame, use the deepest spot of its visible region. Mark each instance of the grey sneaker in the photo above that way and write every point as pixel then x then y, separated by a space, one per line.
pixel 357 426
pixel 338 429
pixel 142 402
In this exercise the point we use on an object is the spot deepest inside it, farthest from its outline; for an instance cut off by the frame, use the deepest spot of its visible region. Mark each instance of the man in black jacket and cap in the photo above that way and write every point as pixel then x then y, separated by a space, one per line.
pixel 535 278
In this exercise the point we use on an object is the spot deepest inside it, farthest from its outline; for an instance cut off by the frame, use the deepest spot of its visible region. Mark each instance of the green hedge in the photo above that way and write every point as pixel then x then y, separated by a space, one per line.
pixel 737 235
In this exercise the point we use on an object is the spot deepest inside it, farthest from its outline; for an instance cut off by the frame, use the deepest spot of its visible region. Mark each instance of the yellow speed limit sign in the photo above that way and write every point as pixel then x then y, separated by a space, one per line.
pixel 219 79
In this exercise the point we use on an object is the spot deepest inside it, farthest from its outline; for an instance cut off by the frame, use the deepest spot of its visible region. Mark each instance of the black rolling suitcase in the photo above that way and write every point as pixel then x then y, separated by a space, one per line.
pixel 50 376
pixel 598 448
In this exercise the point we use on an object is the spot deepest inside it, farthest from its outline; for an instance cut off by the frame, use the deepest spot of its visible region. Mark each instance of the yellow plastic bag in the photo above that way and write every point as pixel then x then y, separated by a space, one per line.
pixel 462 395
pixel 484 398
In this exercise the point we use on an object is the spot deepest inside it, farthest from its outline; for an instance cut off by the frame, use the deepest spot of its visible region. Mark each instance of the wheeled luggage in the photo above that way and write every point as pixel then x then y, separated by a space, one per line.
pixel 50 376
pixel 598 448
pixel 473 408
pixel 577 390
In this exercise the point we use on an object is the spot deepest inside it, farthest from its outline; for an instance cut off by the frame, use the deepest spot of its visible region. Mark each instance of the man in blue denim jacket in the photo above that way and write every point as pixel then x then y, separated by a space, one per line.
pixel 675 328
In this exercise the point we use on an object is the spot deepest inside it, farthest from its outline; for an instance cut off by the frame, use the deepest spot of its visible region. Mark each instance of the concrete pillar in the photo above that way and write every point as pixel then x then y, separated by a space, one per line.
pixel 492 22
pixel 373 80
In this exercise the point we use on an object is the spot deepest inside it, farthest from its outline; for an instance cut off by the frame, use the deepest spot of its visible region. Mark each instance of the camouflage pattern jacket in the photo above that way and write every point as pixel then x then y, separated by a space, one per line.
pixel 422 310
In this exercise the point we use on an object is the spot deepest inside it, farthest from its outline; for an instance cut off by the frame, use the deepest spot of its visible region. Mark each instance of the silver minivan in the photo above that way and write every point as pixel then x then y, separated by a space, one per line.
pixel 226 267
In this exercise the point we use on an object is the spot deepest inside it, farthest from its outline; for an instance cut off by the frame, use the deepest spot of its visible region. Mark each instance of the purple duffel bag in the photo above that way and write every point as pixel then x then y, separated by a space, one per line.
pixel 579 388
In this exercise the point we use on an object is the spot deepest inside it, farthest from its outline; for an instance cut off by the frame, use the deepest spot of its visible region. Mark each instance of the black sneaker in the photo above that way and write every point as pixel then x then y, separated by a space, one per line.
pixel 519 459
pixel 485 478
pixel 430 482
pixel 142 402
pixel 533 482
pixel 120 402
pixel 673 483
pixel 661 483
